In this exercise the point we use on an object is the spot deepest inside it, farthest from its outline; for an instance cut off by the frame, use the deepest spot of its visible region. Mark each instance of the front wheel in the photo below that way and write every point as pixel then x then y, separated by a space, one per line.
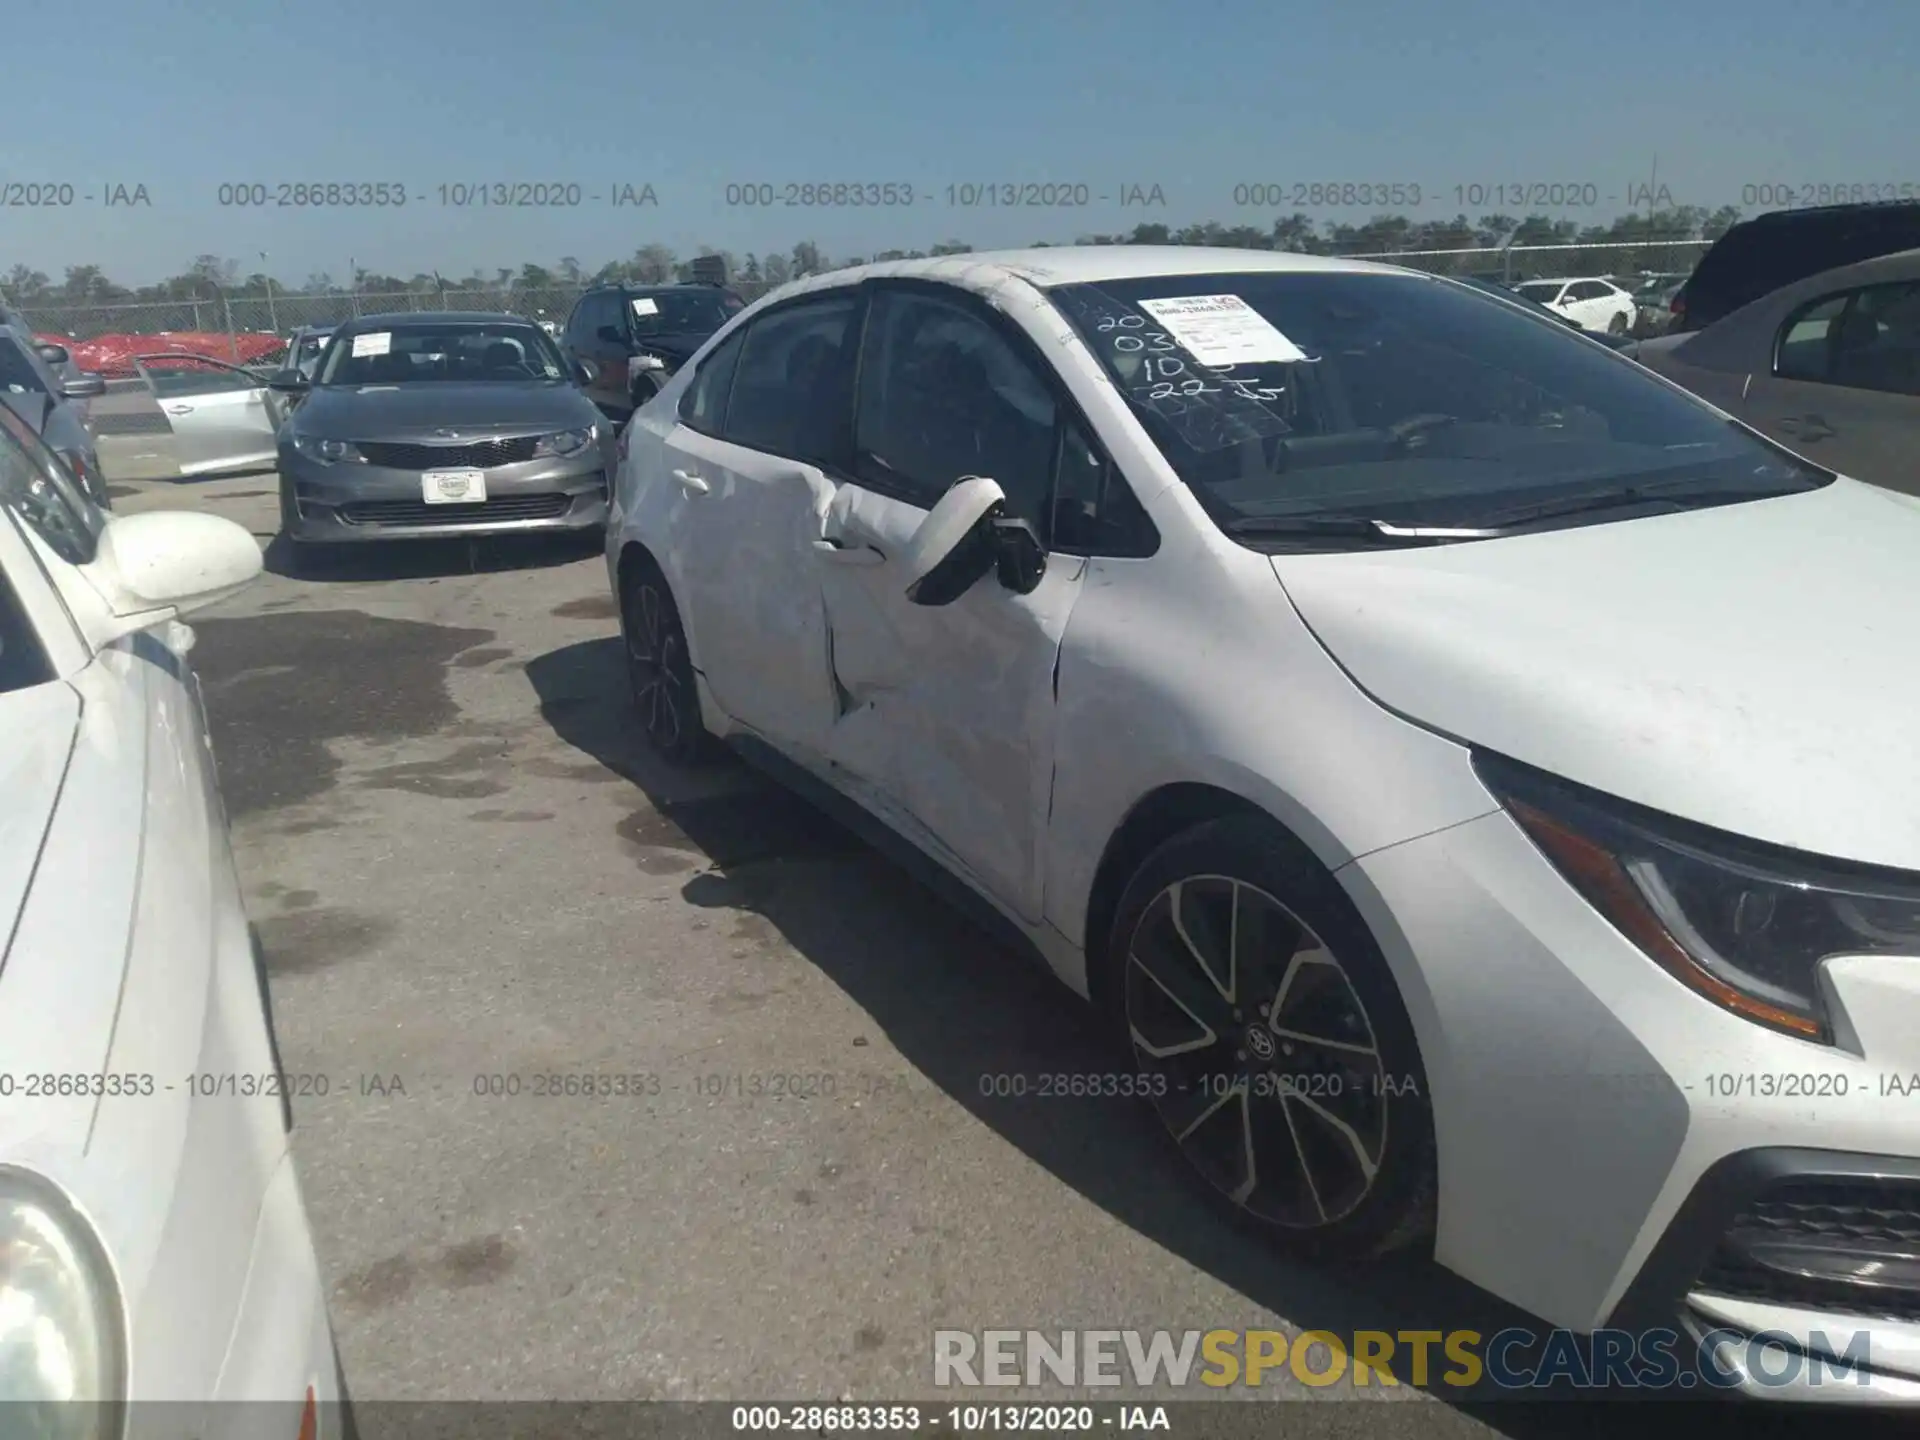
pixel 659 667
pixel 1272 1041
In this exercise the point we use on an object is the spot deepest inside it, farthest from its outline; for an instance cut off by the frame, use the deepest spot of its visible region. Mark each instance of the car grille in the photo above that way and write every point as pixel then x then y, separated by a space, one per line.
pixel 1837 1219
pixel 485 512
pixel 481 455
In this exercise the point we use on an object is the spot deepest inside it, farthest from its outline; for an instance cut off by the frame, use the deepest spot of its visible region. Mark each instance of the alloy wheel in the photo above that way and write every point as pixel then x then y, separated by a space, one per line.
pixel 655 658
pixel 1267 1069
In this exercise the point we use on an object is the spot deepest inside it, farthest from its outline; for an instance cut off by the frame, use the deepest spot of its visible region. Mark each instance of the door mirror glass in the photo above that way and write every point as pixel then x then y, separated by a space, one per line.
pixel 957 543
pixel 53 354
pixel 166 563
pixel 289 382
pixel 1018 555
pixel 85 388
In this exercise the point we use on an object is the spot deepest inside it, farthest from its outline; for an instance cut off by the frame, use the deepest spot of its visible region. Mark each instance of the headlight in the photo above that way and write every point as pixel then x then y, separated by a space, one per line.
pixel 327 452
pixel 60 1323
pixel 1744 924
pixel 567 442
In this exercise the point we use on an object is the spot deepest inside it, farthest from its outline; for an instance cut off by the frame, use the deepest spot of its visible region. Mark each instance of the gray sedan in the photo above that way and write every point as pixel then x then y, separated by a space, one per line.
pixel 30 388
pixel 421 425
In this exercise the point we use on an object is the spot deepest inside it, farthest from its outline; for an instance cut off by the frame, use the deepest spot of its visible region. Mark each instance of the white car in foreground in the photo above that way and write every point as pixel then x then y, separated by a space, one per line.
pixel 1475 779
pixel 1591 303
pixel 153 1242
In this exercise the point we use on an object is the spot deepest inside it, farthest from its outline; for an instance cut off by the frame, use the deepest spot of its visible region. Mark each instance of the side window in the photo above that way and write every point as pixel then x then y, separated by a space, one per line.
pixel 23 661
pixel 792 387
pixel 1801 352
pixel 37 488
pixel 944 395
pixel 578 327
pixel 1868 339
pixel 18 375
pixel 704 406
pixel 1586 290
pixel 1094 509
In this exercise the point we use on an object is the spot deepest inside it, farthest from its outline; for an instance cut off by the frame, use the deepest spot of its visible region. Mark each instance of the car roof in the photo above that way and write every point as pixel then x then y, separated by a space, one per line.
pixel 395 318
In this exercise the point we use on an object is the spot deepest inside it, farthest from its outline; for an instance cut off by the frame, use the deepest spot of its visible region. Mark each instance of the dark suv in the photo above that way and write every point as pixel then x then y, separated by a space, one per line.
pixel 638 335
pixel 1759 256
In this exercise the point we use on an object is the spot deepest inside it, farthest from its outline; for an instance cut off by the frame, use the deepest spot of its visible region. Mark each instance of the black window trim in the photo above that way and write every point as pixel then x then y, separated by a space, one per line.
pixel 18 630
pixel 1066 409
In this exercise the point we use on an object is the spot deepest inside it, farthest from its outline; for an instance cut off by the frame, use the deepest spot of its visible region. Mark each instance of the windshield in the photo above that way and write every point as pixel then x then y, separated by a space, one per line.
pixel 680 312
pixel 17 375
pixel 465 352
pixel 307 354
pixel 1395 397
pixel 1541 290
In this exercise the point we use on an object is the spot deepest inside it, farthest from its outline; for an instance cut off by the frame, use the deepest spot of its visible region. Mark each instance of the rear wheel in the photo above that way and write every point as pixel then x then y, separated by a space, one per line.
pixel 1272 1041
pixel 659 667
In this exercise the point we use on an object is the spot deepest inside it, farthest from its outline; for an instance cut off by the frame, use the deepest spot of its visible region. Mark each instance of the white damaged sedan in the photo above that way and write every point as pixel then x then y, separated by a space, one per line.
pixel 154 1246
pixel 1474 779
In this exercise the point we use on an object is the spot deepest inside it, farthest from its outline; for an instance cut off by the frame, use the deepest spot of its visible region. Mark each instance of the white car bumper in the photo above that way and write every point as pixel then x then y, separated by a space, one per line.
pixel 1617 1151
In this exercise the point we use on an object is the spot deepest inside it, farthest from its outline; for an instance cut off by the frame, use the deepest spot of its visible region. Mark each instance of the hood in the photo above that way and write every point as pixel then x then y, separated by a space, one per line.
pixel 40 724
pixel 414 412
pixel 1749 667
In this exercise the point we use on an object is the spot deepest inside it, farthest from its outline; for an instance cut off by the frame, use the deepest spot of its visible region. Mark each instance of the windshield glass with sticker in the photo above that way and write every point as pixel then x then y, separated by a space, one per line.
pixel 1393 397
pixel 470 352
pixel 681 312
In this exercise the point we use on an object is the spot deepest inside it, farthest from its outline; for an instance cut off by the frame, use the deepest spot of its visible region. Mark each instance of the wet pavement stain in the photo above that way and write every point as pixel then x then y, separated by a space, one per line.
pixel 473 1262
pixel 461 1266
pixel 512 817
pixel 485 655
pixel 380 1285
pixel 336 674
pixel 592 607
pixel 300 899
pixel 241 495
pixel 592 772
pixel 315 939
pixel 466 774
pixel 869 1337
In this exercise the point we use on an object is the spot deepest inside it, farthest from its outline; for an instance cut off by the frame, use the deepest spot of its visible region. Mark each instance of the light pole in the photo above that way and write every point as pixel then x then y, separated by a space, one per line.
pixel 273 320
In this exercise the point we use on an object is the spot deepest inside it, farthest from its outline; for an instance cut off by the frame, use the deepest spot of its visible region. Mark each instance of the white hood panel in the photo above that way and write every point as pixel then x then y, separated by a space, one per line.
pixel 1754 667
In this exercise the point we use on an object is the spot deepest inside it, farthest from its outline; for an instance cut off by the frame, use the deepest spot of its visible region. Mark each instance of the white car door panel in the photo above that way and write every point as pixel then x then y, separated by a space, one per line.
pixel 222 417
pixel 948 708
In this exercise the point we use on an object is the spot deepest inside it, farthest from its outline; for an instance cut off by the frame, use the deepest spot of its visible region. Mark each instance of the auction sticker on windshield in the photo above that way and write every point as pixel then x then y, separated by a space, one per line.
pixel 1222 330
pixel 453 487
pixel 377 342
pixel 645 305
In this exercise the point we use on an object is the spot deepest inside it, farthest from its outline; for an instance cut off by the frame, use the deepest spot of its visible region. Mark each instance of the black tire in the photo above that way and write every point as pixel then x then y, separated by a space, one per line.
pixel 1617 325
pixel 1264 1099
pixel 646 385
pixel 659 667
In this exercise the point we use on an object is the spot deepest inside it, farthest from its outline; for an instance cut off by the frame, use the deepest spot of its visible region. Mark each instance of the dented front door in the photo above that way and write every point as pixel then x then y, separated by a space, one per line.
pixel 948 711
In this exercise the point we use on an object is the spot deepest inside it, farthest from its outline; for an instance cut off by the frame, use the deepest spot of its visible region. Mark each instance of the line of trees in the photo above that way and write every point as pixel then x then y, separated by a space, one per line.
pixel 212 277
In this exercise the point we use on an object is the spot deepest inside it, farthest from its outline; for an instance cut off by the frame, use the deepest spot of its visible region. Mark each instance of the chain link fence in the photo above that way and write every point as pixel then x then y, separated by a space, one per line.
pixel 281 312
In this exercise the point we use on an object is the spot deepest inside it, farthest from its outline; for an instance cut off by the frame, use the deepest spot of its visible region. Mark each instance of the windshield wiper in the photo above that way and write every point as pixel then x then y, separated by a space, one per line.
pixel 1351 527
pixel 1671 493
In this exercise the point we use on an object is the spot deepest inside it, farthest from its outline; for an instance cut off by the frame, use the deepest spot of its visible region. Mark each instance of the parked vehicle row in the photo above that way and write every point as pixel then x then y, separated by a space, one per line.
pixel 157 1247
pixel 1432 743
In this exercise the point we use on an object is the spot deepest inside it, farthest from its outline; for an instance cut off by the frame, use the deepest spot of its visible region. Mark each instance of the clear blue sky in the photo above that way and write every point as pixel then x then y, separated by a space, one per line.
pixel 1195 96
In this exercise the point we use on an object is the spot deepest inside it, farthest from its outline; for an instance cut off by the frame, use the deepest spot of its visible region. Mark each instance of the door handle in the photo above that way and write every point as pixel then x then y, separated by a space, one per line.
pixel 835 554
pixel 179 409
pixel 691 483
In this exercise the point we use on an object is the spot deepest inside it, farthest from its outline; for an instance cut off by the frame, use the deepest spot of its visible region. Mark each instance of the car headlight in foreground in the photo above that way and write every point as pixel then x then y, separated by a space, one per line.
pixel 60 1323
pixel 567 442
pixel 1745 924
pixel 327 452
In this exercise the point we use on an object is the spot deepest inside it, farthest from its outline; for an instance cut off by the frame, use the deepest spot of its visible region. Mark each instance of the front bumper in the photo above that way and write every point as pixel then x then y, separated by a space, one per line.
pixel 346 503
pixel 1611 1143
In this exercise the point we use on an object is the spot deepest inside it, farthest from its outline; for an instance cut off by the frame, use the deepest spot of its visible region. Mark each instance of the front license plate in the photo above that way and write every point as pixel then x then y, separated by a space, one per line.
pixel 453 487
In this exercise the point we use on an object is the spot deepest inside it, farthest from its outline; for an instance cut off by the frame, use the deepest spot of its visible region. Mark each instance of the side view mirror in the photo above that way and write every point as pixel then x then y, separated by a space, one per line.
pixel 163 564
pixel 85 388
pixel 965 535
pixel 289 382
pixel 53 354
